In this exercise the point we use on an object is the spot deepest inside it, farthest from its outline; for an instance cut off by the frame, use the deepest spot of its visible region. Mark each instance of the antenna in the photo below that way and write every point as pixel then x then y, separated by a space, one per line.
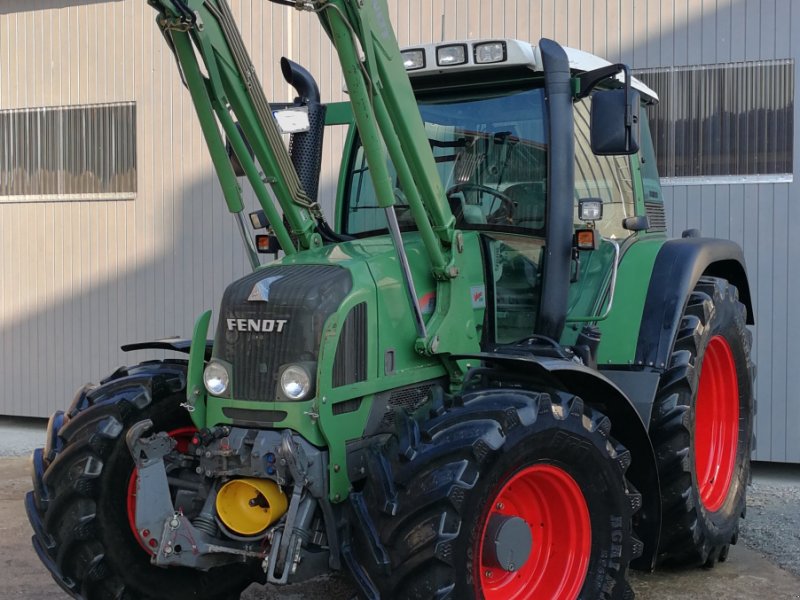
pixel 442 25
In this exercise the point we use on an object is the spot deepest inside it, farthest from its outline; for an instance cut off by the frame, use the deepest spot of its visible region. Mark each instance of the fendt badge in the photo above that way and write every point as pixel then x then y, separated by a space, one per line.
pixel 257 325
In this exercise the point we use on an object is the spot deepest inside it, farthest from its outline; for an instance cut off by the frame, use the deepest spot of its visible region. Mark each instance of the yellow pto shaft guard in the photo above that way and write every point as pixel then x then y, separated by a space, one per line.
pixel 248 506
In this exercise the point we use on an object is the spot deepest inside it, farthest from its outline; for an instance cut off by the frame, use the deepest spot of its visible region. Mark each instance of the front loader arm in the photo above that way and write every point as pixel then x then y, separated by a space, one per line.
pixel 386 113
pixel 387 116
pixel 203 34
pixel 225 90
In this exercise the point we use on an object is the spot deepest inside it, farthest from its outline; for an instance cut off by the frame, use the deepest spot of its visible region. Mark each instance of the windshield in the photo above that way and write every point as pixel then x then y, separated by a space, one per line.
pixel 491 154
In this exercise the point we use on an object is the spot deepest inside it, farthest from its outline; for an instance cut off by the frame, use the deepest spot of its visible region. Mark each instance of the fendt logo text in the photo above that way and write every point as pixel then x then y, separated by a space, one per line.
pixel 257 325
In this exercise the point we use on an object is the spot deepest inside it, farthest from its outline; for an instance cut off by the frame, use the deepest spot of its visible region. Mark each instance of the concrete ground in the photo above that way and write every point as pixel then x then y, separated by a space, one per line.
pixel 765 564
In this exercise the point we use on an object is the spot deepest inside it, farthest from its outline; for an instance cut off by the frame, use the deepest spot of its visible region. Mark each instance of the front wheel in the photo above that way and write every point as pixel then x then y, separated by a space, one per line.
pixel 513 496
pixel 83 504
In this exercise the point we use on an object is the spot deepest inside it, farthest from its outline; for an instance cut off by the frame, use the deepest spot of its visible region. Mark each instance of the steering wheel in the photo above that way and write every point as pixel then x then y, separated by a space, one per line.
pixel 503 215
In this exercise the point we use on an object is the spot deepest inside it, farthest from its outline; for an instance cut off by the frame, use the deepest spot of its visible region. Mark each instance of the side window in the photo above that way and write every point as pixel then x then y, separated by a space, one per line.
pixel 514 279
pixel 364 213
pixel 650 180
pixel 608 178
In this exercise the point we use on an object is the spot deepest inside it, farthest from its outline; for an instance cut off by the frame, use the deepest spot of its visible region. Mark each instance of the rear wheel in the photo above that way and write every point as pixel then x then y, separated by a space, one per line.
pixel 702 427
pixel 493 503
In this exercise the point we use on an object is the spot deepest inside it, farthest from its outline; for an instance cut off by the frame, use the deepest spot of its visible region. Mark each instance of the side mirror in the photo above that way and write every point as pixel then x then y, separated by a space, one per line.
pixel 615 122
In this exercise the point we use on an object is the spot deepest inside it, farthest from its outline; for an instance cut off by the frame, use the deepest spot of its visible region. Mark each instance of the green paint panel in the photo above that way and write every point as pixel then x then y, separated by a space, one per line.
pixel 339 113
pixel 377 283
pixel 621 329
pixel 195 389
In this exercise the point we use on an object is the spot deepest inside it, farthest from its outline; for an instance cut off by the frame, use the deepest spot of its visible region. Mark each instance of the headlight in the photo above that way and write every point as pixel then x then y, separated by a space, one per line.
pixel 295 382
pixel 590 209
pixel 448 56
pixel 216 379
pixel 414 59
pixel 492 52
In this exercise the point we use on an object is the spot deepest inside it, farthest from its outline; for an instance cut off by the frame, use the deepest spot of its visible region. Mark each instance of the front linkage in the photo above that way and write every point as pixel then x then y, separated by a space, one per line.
pixel 254 464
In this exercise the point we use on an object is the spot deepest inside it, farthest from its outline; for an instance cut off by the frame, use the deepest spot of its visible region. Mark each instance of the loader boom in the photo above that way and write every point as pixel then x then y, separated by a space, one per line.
pixel 225 90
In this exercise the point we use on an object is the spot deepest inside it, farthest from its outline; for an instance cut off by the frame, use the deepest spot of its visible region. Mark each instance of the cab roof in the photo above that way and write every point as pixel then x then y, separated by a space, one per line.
pixel 515 53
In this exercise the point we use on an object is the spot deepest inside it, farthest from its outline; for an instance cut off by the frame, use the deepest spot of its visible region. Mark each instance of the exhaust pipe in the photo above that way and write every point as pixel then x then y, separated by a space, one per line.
pixel 305 148
pixel 248 506
pixel 301 80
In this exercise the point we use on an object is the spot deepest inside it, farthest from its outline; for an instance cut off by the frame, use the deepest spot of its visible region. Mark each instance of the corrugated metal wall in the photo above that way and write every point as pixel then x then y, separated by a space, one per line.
pixel 79 279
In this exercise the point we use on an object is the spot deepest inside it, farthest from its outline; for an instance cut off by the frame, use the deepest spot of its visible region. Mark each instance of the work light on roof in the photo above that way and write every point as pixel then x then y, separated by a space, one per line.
pixel 449 56
pixel 414 59
pixel 490 52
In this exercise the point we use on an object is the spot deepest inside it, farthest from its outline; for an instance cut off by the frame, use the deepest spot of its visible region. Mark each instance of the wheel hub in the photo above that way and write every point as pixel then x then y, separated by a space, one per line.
pixel 508 543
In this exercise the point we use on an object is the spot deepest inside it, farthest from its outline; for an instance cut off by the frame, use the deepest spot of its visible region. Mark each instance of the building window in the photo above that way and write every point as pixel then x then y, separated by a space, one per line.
pixel 733 119
pixel 68 153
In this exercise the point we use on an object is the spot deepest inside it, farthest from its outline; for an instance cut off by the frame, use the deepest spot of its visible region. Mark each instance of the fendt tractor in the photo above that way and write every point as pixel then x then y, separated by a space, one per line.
pixel 491 376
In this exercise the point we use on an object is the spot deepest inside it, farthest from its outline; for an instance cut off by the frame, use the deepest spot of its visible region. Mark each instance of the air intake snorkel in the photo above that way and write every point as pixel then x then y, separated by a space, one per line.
pixel 305 148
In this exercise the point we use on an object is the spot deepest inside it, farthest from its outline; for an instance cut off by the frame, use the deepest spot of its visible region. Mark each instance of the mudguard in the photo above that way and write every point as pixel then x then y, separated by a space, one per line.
pixel 679 265
pixel 627 427
pixel 175 344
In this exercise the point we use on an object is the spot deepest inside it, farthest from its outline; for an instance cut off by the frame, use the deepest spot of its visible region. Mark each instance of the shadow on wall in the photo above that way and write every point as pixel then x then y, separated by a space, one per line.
pixel 59 345
pixel 10 6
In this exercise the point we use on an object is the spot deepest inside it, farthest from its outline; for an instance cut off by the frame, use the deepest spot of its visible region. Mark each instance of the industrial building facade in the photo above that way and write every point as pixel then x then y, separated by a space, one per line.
pixel 113 228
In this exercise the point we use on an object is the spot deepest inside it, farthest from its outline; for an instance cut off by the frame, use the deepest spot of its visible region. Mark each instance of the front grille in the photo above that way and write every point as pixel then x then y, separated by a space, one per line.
pixel 254 418
pixel 301 296
pixel 411 398
pixel 348 406
pixel 350 364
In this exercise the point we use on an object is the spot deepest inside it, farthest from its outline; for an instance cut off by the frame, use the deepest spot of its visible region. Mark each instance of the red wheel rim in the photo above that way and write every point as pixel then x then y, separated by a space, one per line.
pixel 716 434
pixel 550 501
pixel 183 436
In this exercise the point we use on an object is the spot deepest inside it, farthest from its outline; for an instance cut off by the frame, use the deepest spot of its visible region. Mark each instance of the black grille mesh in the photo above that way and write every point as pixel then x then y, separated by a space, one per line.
pixel 302 295
pixel 305 150
pixel 656 216
pixel 410 398
pixel 350 364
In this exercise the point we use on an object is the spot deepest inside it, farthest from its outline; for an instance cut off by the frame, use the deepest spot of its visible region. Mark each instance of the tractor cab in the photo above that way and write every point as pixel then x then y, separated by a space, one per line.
pixel 485 113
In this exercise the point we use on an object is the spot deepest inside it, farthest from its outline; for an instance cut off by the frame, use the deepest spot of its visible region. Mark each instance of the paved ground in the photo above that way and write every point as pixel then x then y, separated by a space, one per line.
pixel 765 565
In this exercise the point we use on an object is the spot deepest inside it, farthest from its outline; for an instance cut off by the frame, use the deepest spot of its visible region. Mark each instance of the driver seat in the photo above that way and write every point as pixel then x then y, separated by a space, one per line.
pixel 529 203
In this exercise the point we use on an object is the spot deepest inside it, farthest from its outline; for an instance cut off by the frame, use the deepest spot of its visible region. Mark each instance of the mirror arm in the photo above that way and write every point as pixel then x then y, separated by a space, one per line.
pixel 589 80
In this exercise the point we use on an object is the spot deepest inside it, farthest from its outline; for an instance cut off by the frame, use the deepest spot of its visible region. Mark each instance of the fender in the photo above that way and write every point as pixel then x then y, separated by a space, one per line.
pixel 175 344
pixel 679 265
pixel 627 427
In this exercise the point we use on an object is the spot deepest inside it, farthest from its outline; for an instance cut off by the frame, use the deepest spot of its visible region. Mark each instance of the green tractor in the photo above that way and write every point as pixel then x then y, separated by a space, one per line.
pixel 492 377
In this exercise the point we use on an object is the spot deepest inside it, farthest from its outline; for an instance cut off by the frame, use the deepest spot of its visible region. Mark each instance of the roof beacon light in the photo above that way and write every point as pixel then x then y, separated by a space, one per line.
pixel 449 56
pixel 414 59
pixel 491 52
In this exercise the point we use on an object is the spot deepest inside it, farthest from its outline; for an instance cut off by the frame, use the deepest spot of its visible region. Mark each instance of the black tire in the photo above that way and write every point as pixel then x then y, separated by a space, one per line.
pixel 78 508
pixel 697 531
pixel 441 483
